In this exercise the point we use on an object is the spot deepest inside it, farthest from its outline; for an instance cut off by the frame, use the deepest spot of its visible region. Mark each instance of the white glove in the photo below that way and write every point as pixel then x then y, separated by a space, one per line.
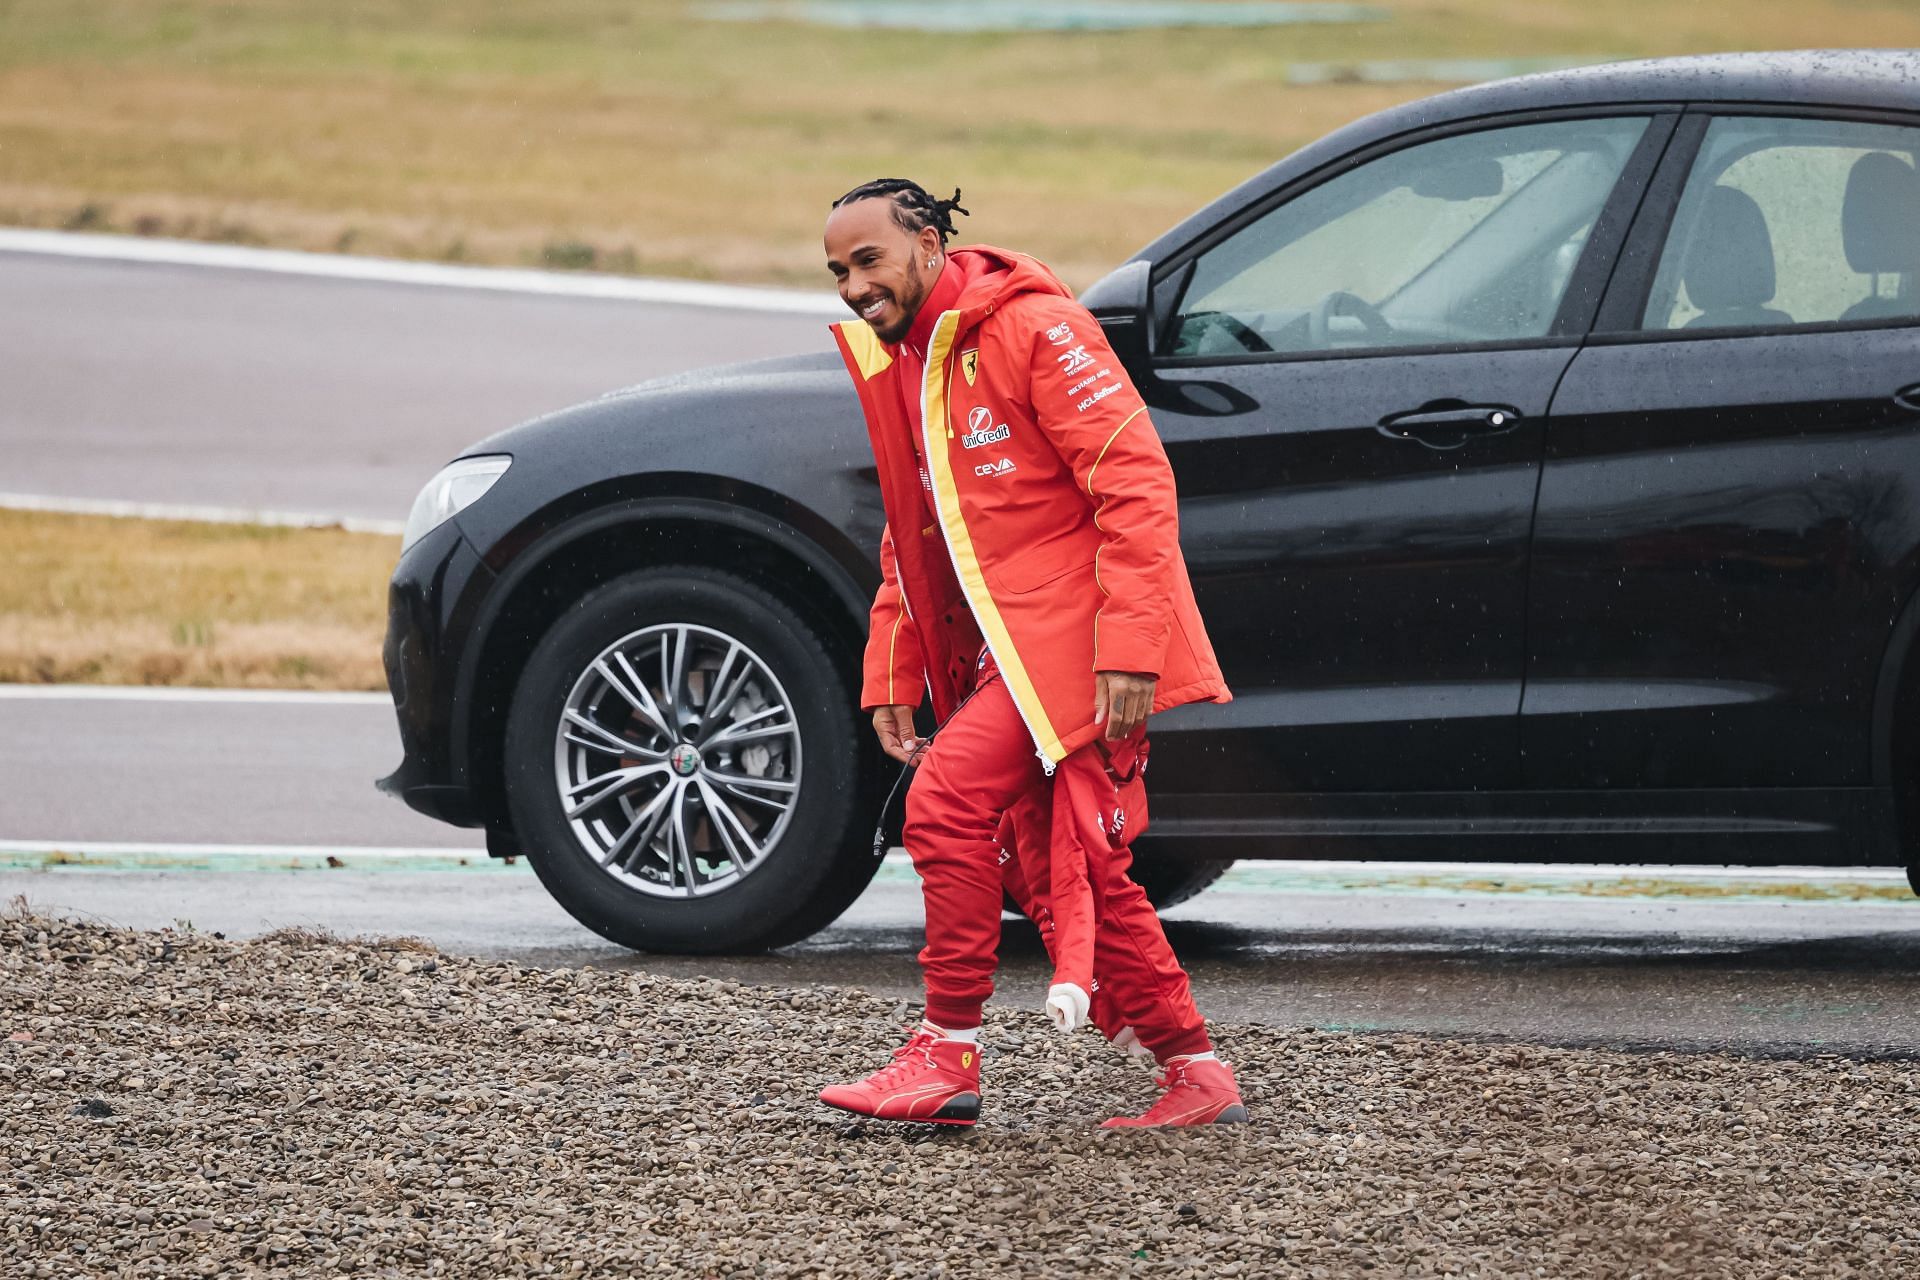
pixel 1067 1006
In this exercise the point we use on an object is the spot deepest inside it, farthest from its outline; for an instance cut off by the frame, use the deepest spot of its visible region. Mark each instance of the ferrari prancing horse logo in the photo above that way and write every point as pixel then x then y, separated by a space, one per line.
pixel 970 364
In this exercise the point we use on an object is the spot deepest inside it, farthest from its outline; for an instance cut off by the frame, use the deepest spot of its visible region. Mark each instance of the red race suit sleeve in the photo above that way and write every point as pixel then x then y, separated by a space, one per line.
pixel 894 673
pixel 1095 418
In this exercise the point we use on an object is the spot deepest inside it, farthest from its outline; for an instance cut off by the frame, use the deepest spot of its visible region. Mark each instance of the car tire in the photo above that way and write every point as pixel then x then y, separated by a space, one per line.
pixel 1171 880
pixel 813 862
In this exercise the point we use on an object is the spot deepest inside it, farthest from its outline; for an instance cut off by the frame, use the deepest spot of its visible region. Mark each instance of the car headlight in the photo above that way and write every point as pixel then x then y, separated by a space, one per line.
pixel 457 486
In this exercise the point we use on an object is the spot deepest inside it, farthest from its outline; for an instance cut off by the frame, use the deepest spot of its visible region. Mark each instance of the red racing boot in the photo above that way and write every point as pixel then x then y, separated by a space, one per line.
pixel 932 1081
pixel 1198 1091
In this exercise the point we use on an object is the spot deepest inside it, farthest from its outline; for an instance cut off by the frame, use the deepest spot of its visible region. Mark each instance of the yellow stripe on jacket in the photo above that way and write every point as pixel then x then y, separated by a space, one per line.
pixel 966 563
pixel 865 346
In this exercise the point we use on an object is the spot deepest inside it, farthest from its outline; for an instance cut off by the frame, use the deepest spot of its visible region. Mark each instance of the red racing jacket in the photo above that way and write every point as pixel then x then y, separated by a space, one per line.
pixel 1046 524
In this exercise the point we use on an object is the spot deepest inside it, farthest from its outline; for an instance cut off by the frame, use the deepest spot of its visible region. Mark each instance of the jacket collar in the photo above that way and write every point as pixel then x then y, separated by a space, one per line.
pixel 940 299
pixel 975 280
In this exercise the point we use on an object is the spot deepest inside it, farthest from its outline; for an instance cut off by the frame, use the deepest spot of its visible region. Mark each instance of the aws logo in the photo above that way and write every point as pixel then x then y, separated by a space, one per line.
pixel 1000 467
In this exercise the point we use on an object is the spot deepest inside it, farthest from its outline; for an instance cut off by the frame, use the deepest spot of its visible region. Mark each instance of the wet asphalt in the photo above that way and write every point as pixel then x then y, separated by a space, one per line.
pixel 1746 978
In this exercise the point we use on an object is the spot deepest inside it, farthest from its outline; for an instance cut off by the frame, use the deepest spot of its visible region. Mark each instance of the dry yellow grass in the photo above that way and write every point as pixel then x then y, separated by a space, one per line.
pixel 630 135
pixel 111 601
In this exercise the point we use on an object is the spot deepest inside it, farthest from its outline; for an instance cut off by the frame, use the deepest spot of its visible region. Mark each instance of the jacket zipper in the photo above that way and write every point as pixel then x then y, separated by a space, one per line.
pixel 926 435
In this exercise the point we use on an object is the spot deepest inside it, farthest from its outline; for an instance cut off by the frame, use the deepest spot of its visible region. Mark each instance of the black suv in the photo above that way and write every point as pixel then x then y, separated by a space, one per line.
pixel 1549 455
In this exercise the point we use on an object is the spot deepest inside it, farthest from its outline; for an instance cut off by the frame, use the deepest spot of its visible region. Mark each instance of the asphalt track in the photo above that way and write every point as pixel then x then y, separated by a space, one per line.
pixel 175 384
pixel 266 769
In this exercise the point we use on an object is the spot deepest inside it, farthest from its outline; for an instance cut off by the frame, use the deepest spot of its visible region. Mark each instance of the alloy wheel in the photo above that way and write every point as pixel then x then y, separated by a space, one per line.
pixel 677 760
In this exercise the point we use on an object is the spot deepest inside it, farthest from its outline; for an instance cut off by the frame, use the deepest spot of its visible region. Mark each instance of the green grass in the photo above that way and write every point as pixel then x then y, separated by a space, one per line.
pixel 634 137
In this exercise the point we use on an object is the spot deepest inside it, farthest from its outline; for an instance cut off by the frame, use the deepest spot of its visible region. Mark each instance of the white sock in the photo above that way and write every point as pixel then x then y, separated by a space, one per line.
pixel 970 1035
pixel 1208 1056
pixel 1128 1042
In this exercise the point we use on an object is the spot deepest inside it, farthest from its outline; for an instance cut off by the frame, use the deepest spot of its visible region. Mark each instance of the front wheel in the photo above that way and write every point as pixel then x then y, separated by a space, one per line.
pixel 681 769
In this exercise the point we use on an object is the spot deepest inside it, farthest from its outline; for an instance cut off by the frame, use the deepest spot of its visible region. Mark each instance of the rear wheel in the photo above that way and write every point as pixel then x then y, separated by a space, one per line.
pixel 1171 880
pixel 681 766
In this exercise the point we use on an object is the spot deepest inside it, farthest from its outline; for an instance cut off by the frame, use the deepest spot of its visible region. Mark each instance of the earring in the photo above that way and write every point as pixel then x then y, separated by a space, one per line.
pixel 929 261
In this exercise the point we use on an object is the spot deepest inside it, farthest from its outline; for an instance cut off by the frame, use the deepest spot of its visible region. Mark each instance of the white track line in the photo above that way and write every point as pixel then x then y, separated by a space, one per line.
pixel 186 253
pixel 212 515
pixel 166 693
pixel 134 849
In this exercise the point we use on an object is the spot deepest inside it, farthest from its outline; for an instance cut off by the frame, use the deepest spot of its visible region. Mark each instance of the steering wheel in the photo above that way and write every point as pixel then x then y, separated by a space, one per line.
pixel 1340 302
pixel 1232 326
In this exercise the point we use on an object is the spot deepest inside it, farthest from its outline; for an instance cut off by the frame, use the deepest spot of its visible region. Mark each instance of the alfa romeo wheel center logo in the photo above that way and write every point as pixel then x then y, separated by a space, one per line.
pixel 685 759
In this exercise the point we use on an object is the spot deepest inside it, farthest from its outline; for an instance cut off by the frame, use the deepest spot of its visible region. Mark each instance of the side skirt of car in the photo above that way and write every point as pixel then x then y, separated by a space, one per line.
pixel 1773 826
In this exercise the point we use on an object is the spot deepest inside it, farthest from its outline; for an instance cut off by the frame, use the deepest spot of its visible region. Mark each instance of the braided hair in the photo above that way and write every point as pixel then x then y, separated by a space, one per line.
pixel 913 209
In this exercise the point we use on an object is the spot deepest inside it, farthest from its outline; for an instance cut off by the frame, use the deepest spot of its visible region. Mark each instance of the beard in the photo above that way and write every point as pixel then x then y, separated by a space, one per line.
pixel 909 303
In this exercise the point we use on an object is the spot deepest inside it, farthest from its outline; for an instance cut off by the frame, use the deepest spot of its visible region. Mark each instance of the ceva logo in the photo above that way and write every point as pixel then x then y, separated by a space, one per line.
pixel 998 468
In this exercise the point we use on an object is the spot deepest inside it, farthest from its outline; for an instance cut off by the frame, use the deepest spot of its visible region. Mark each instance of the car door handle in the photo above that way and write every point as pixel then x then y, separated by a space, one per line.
pixel 1452 427
pixel 1908 397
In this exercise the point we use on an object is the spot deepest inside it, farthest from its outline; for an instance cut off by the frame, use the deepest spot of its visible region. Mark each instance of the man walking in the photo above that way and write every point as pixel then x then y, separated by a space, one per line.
pixel 1033 587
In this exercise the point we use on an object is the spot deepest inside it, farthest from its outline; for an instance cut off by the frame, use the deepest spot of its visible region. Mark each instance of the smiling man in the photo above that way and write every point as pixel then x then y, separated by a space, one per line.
pixel 1033 588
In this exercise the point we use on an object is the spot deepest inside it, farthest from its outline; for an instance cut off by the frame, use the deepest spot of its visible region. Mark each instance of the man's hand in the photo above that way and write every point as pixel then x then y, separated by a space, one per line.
pixel 1121 701
pixel 895 726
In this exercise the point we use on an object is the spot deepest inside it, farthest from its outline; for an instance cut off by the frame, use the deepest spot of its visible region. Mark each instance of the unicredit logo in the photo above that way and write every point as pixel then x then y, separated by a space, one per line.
pixel 980 429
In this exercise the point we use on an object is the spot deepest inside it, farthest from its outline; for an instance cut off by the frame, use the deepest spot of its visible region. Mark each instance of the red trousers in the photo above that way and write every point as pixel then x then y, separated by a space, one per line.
pixel 979 768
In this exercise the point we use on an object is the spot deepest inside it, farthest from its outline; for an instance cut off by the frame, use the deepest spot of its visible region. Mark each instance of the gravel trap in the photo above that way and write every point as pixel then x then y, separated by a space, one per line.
pixel 173 1103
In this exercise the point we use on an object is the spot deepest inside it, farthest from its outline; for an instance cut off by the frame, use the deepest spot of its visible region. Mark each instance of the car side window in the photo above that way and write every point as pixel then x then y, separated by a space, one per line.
pixel 1787 221
pixel 1469 238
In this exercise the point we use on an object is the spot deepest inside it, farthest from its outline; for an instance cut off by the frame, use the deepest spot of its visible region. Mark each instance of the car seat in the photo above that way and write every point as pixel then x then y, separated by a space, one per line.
pixel 1877 224
pixel 1729 272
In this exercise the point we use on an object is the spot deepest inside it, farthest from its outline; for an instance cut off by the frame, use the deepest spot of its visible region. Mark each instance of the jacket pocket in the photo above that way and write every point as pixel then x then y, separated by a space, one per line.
pixel 1038 567
pixel 1043 563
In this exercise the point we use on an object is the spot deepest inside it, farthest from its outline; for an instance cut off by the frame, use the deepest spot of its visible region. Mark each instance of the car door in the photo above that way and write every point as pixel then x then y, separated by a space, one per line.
pixel 1352 385
pixel 1726 510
